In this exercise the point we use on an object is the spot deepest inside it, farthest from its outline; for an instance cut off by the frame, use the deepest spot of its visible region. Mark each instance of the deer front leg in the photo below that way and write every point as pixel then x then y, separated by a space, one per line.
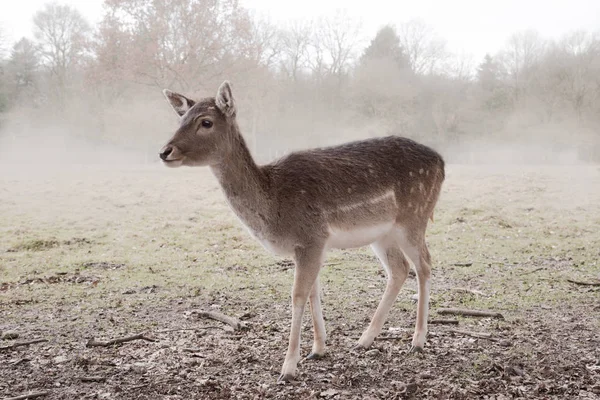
pixel 308 263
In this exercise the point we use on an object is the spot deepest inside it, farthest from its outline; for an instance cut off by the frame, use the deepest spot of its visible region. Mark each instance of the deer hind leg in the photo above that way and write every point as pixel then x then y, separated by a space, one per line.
pixel 416 250
pixel 396 266
pixel 318 349
pixel 308 264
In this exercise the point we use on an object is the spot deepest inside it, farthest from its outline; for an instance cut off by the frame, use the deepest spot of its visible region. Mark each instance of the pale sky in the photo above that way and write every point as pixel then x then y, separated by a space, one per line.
pixel 468 26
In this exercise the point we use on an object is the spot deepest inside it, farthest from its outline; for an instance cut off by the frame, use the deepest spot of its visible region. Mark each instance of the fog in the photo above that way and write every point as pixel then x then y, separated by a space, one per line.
pixel 95 95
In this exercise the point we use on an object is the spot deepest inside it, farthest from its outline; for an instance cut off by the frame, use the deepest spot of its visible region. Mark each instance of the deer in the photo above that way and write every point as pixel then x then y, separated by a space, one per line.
pixel 379 191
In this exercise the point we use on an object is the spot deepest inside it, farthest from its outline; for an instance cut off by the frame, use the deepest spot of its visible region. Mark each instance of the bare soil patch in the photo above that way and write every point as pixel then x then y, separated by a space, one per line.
pixel 144 268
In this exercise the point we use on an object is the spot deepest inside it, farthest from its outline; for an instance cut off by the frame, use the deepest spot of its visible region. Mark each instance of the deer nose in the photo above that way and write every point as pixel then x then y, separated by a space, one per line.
pixel 165 153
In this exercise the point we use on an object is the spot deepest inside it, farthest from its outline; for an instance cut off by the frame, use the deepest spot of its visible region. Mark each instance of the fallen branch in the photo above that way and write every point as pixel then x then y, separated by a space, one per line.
pixel 235 323
pixel 191 350
pixel 95 343
pixel 444 321
pixel 20 344
pixel 189 329
pixel 596 283
pixel 332 264
pixel 471 313
pixel 467 290
pixel 468 264
pixel 532 271
pixel 92 378
pixel 479 335
pixel 389 337
pixel 32 395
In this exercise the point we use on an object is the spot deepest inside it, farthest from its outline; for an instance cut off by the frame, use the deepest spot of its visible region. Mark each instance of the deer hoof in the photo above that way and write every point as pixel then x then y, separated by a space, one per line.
pixel 315 356
pixel 358 347
pixel 285 378
pixel 415 350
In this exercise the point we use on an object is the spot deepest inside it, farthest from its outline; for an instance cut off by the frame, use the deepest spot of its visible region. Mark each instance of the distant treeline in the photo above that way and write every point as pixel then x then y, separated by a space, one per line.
pixel 304 83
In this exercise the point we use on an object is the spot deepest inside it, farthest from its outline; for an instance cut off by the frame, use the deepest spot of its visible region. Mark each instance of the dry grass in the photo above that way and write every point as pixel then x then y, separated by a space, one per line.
pixel 103 251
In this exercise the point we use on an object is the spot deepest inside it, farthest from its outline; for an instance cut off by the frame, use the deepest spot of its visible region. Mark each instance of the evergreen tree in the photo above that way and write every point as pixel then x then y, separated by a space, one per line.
pixel 386 45
pixel 488 73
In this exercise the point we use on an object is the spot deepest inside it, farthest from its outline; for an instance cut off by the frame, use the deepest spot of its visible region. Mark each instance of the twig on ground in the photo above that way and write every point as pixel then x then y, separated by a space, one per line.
pixel 137 387
pixel 444 321
pixel 20 344
pixel 479 335
pixel 394 337
pixel 95 343
pixel 467 264
pixel 471 313
pixel 235 323
pixel 31 395
pixel 584 283
pixel 92 378
pixel 467 290
pixel 532 271
pixel 331 264
pixel 191 350
pixel 21 360
pixel 189 329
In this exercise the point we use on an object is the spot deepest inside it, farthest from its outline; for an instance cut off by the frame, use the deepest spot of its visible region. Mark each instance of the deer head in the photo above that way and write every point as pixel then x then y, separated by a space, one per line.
pixel 204 130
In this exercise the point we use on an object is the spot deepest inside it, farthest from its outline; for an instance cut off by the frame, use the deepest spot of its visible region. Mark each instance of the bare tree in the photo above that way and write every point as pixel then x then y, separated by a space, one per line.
pixel 3 43
pixel 182 44
pixel 336 42
pixel 580 69
pixel 424 49
pixel 520 58
pixel 62 34
pixel 296 40
pixel 263 43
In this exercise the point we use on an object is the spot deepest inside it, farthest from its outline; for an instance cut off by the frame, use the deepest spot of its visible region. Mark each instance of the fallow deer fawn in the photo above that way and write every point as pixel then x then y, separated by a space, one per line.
pixel 378 191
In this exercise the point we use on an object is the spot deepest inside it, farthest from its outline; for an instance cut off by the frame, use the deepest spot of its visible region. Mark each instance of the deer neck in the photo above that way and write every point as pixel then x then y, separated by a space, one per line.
pixel 243 182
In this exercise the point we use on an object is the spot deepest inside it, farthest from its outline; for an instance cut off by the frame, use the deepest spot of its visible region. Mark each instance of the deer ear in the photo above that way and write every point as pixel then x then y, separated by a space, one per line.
pixel 224 99
pixel 179 102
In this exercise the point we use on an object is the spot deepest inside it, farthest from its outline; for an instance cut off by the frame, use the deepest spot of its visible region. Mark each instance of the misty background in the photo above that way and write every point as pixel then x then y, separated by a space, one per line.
pixel 77 92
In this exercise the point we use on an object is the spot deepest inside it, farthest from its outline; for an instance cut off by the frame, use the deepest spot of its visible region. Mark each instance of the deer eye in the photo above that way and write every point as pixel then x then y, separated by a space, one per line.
pixel 206 123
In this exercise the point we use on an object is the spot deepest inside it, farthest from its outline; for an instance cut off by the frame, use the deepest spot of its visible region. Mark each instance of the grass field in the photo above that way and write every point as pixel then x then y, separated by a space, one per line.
pixel 99 252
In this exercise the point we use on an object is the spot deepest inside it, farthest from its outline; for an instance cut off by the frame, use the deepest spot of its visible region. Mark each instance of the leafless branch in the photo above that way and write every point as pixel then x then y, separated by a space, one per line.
pixel 31 395
pixel 394 337
pixel 20 344
pixel 584 283
pixel 92 378
pixel 444 322
pixel 479 335
pixel 467 290
pixel 235 323
pixel 470 313
pixel 95 343
pixel 189 329
pixel 533 271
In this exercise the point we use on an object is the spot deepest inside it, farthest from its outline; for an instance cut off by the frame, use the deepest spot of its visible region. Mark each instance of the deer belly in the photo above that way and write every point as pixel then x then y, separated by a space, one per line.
pixel 274 247
pixel 342 238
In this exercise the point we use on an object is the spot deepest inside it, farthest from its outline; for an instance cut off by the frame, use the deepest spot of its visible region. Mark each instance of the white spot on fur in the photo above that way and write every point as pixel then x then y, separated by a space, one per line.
pixel 412 189
pixel 410 173
pixel 421 171
pixel 368 203
pixel 409 205
pixel 427 173
pixel 421 187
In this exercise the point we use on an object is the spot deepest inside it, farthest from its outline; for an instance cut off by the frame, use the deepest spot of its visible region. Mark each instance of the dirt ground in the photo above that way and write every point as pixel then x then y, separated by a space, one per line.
pixel 102 253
